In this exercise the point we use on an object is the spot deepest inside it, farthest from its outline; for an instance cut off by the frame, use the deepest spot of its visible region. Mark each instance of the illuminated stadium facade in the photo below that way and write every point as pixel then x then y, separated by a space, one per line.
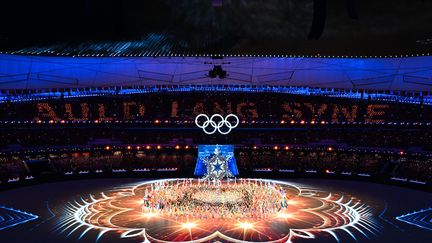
pixel 185 121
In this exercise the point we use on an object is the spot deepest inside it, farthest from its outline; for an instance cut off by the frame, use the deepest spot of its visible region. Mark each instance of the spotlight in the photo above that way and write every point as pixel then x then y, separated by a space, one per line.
pixel 284 215
pixel 188 225
pixel 246 225
pixel 150 215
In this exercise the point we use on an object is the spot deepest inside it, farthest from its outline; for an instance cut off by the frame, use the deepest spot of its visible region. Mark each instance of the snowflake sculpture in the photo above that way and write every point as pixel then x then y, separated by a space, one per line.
pixel 217 166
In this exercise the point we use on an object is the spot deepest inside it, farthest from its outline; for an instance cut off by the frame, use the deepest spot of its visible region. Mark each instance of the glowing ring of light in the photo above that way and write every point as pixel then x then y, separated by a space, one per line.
pixel 210 121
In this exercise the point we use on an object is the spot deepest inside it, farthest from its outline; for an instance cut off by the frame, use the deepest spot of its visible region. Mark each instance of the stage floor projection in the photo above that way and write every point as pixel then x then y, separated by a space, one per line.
pixel 193 210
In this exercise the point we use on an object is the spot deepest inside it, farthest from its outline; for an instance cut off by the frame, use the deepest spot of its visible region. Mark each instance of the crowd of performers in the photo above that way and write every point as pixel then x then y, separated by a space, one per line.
pixel 205 199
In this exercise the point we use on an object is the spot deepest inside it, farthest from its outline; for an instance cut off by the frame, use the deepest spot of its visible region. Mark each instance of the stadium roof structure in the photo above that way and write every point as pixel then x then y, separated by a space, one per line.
pixel 48 72
pixel 252 27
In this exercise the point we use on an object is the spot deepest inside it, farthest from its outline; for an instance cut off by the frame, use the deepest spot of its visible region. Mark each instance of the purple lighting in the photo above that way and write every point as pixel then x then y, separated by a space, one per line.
pixel 217 3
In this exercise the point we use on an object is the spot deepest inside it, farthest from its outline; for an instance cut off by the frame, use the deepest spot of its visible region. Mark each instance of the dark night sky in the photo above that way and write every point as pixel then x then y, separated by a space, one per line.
pixel 277 26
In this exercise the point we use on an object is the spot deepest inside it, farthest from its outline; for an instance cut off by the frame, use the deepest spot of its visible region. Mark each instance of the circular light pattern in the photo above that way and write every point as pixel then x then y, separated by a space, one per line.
pixel 194 210
pixel 217 122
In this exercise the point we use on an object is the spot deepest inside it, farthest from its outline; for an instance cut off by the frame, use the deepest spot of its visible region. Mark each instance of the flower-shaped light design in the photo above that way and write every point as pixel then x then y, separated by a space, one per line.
pixel 193 210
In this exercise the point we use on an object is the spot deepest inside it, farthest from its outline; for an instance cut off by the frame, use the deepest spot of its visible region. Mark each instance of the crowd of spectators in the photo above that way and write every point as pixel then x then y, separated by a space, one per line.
pixel 396 138
pixel 358 147
pixel 119 160
pixel 298 160
pixel 374 164
pixel 12 167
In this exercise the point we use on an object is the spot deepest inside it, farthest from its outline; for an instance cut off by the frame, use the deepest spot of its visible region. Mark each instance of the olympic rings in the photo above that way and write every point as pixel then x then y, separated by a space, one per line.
pixel 217 124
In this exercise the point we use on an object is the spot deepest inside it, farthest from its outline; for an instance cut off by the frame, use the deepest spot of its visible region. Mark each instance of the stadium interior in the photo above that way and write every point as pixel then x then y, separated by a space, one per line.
pixel 216 121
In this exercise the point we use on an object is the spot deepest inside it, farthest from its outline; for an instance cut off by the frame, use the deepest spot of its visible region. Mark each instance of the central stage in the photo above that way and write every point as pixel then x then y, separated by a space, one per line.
pixel 252 210
pixel 235 210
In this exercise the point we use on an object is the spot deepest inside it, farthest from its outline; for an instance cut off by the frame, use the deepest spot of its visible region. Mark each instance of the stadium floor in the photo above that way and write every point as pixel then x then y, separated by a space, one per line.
pixel 318 211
